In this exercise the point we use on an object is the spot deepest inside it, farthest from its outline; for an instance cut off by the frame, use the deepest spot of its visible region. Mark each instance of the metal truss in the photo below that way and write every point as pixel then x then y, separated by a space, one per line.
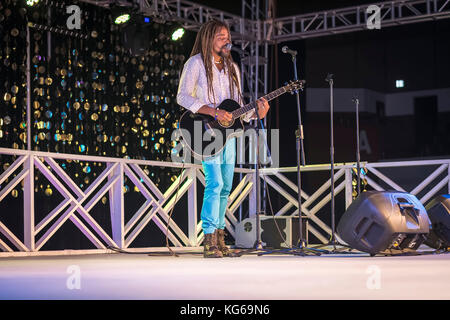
pixel 192 15
pixel 335 21
pixel 246 31
pixel 256 28
pixel 254 64
pixel 256 24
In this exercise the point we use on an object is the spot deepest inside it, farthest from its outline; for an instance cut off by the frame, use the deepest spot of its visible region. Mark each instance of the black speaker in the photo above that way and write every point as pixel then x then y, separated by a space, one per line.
pixel 383 221
pixel 270 229
pixel 439 213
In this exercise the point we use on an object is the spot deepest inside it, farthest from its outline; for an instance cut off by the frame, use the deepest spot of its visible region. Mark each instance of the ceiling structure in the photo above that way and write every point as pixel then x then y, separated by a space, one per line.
pixel 256 24
pixel 256 21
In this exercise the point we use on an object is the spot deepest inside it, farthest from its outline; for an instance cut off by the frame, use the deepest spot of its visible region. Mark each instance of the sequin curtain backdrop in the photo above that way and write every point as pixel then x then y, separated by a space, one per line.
pixel 91 97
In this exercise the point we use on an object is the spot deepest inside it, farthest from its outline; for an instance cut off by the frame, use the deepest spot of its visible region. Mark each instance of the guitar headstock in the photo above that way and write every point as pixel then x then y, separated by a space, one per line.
pixel 294 85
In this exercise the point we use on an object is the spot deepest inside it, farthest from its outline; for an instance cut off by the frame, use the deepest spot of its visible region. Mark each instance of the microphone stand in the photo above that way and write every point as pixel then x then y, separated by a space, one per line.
pixel 333 241
pixel 258 243
pixel 301 249
pixel 358 156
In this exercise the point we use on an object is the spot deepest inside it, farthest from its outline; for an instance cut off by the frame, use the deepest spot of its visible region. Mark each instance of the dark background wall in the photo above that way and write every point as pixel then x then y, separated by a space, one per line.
pixel 417 54
pixel 374 59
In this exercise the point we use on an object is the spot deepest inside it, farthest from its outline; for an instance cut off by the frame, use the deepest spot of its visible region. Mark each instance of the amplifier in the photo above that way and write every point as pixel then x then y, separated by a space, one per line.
pixel 245 232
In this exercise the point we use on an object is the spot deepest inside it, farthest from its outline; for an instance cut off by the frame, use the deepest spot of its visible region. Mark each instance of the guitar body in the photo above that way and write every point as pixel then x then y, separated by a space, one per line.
pixel 206 137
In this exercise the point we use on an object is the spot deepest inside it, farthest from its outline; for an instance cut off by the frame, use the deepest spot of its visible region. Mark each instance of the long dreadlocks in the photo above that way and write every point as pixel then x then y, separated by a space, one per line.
pixel 203 45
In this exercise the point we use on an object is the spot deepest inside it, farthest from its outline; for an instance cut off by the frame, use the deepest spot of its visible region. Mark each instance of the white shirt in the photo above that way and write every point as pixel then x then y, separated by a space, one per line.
pixel 193 87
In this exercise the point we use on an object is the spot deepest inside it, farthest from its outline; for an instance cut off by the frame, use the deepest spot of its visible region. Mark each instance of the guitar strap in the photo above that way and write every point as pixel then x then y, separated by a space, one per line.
pixel 241 97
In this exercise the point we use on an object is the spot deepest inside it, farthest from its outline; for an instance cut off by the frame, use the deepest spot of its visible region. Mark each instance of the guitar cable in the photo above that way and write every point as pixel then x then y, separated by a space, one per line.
pixel 268 193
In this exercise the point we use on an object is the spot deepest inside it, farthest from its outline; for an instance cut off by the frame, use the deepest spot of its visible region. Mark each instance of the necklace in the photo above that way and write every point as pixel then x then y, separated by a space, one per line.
pixel 220 61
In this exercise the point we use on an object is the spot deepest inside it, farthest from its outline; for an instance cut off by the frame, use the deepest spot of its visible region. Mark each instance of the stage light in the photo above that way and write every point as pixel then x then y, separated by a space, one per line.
pixel 32 2
pixel 122 18
pixel 121 14
pixel 399 83
pixel 177 34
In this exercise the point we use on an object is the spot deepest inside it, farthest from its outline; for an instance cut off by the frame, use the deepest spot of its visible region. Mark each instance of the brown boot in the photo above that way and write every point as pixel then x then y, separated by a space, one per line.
pixel 222 246
pixel 210 246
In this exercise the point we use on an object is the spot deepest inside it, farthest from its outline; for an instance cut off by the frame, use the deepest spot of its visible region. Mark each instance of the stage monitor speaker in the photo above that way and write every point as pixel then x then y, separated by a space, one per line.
pixel 439 213
pixel 245 232
pixel 384 222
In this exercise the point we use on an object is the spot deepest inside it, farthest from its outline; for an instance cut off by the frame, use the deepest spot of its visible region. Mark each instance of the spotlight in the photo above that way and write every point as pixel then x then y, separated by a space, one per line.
pixel 122 14
pixel 32 2
pixel 122 18
pixel 177 34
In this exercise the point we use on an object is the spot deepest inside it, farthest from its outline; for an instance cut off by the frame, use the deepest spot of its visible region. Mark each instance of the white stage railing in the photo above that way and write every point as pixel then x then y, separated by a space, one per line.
pixel 78 203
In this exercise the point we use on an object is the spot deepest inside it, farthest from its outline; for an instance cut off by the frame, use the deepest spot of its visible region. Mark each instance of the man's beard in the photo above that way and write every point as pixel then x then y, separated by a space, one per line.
pixel 224 53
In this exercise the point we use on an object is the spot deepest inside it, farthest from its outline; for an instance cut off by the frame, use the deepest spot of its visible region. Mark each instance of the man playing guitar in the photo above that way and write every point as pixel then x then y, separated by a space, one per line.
pixel 209 77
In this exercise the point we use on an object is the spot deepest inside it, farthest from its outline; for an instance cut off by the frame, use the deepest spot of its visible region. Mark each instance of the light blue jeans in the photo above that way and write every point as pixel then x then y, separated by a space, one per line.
pixel 219 171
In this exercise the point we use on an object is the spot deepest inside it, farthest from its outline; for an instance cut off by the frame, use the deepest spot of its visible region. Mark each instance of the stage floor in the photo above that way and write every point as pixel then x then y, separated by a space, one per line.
pixel 191 277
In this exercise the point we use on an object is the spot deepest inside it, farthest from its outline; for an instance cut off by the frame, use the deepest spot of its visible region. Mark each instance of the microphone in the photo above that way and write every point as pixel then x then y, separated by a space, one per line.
pixel 285 49
pixel 228 46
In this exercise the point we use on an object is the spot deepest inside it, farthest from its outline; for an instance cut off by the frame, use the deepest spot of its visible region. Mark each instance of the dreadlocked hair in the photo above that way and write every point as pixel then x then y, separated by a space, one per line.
pixel 204 45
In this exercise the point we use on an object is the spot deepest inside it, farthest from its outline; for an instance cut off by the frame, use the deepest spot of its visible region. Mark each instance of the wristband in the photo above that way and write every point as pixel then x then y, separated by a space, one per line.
pixel 215 117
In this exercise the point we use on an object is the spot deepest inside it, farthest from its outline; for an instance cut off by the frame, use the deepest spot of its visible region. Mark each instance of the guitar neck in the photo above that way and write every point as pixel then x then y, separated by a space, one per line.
pixel 251 106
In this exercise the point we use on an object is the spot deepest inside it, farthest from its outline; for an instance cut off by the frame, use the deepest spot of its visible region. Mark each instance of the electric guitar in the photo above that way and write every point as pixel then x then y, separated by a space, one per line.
pixel 206 137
